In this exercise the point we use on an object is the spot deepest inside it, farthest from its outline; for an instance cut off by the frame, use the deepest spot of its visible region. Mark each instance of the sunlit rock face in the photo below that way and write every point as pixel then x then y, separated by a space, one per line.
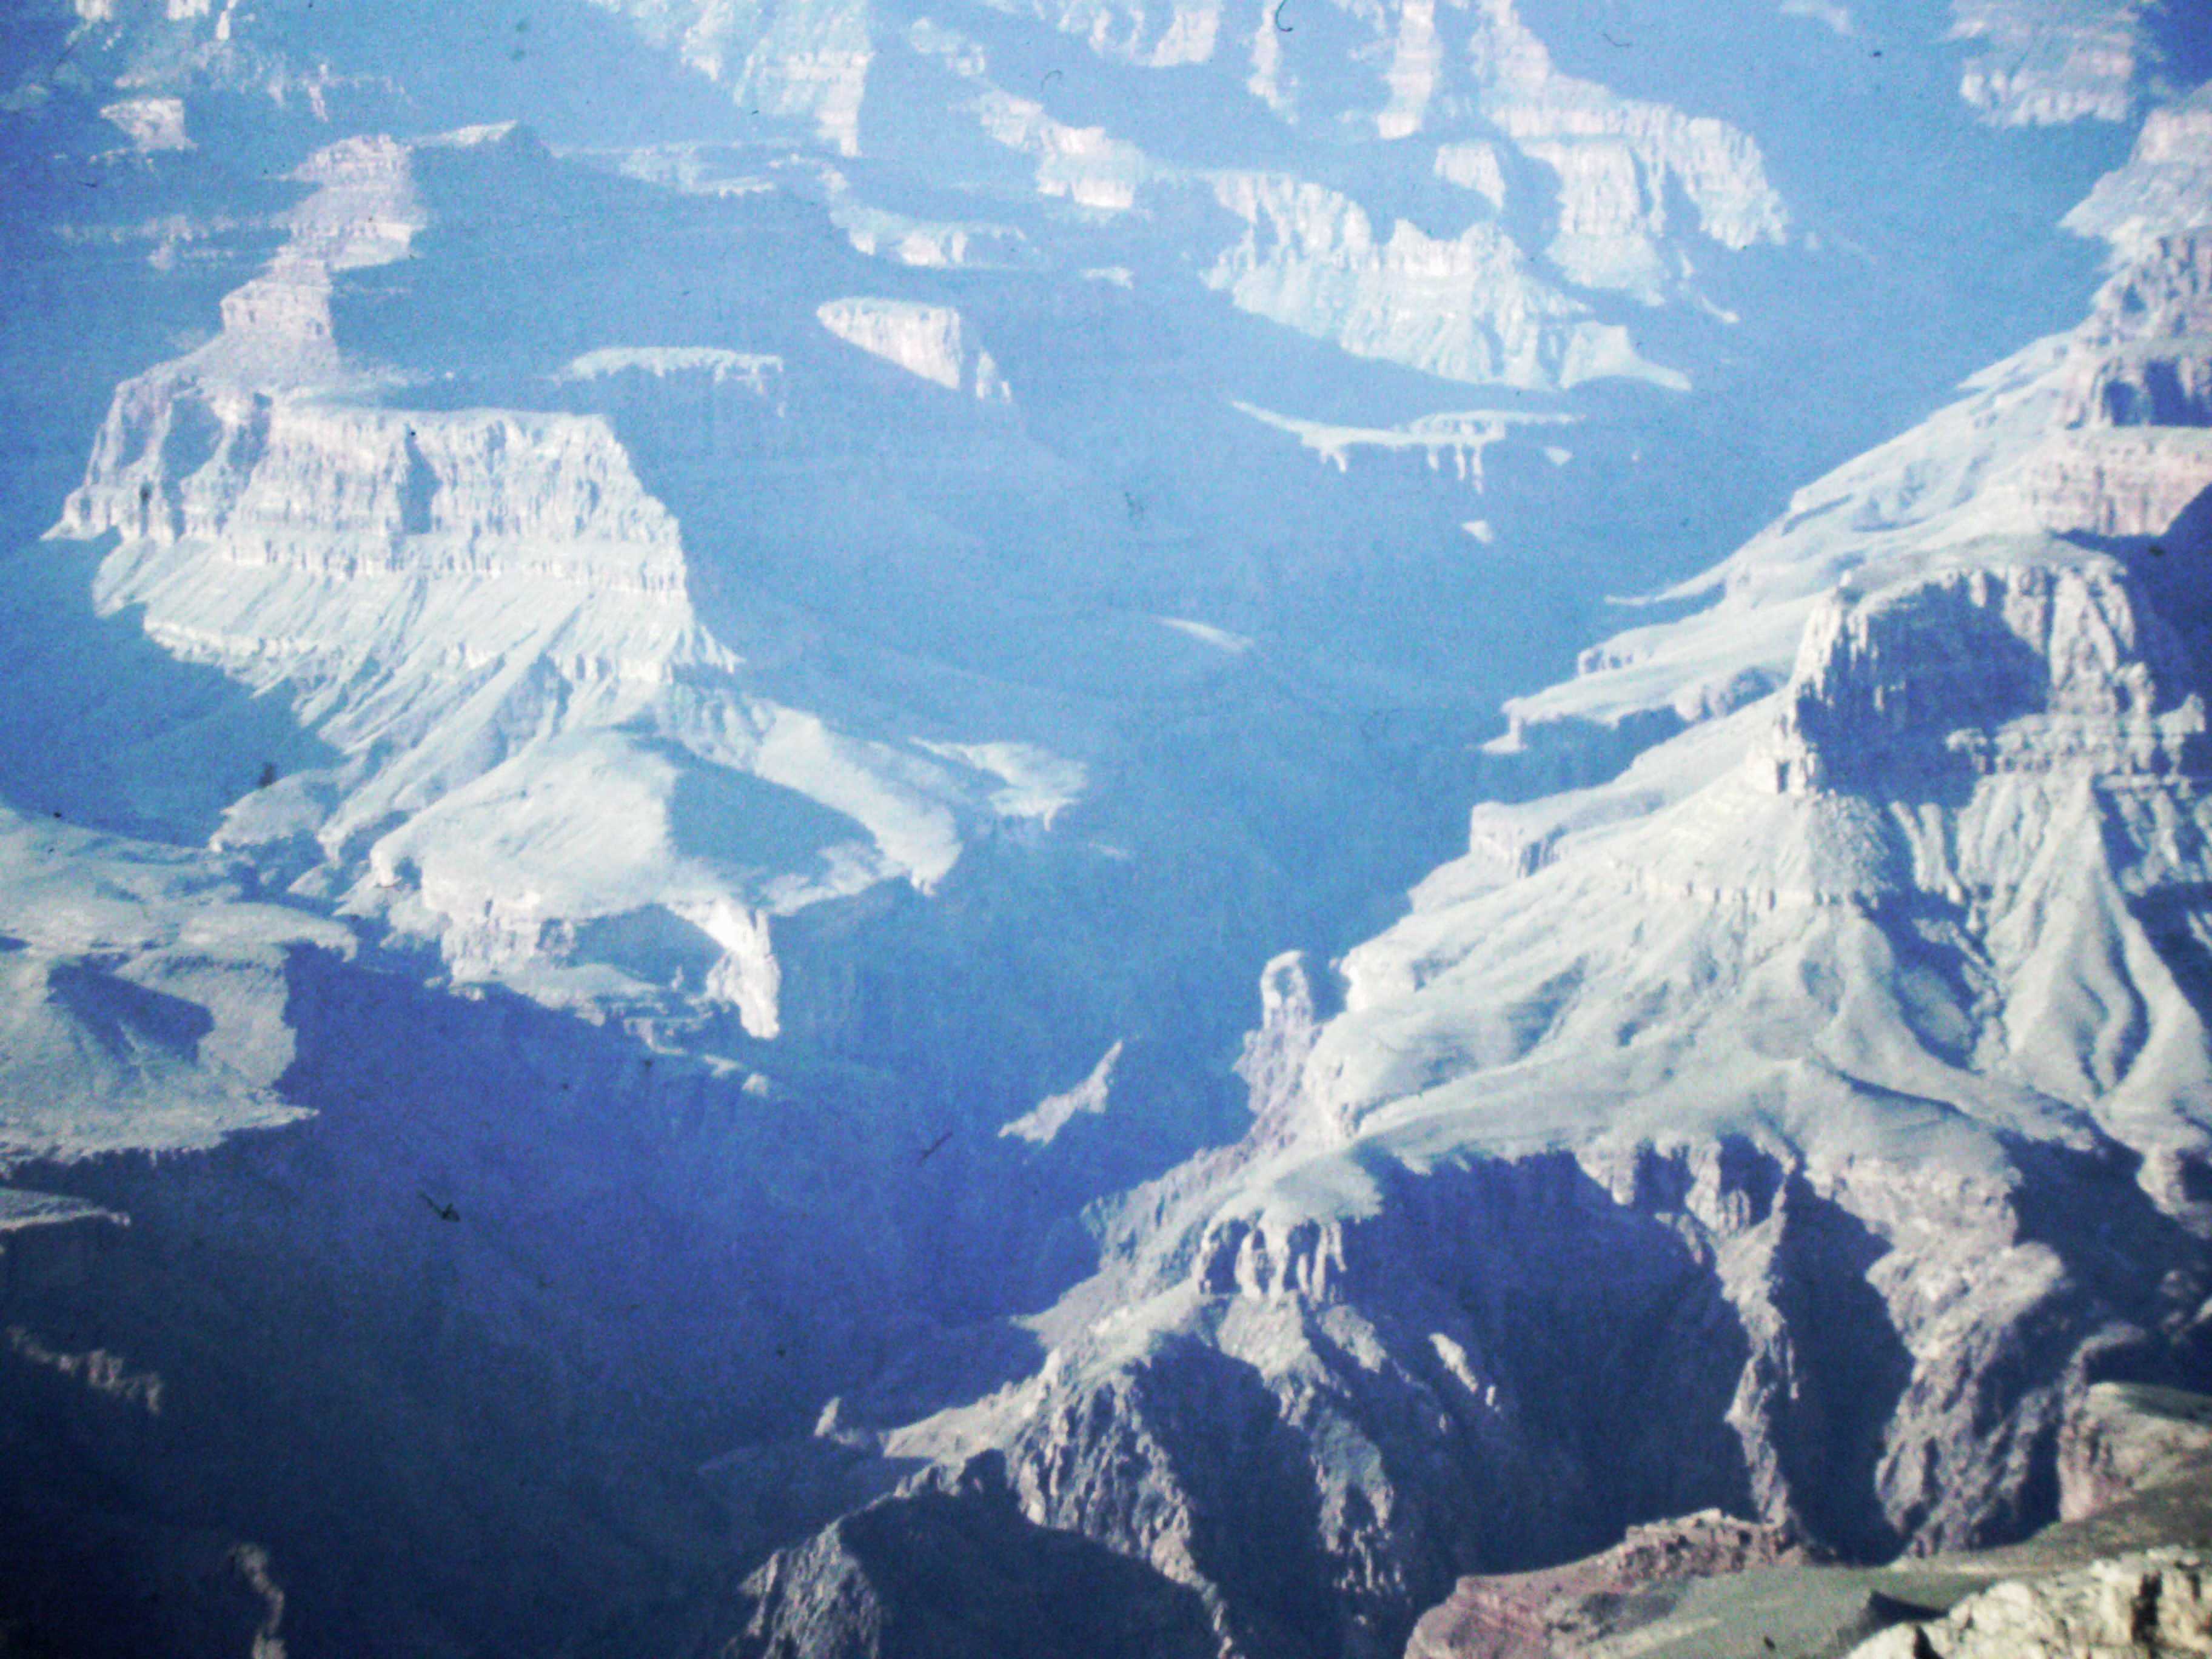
pixel 489 615
pixel 1520 1615
pixel 1468 309
pixel 807 61
pixel 1466 304
pixel 2097 1582
pixel 2153 1602
pixel 672 664
pixel 1618 162
pixel 922 339
pixel 156 984
pixel 2126 1439
pixel 2036 64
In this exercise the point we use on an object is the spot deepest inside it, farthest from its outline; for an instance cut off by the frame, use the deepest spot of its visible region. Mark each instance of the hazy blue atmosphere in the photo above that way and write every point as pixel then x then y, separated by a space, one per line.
pixel 1109 829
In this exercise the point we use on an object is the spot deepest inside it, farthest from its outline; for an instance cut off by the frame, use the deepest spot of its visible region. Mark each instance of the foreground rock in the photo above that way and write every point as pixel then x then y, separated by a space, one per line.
pixel 1534 1615
pixel 2136 1606
pixel 2118 1578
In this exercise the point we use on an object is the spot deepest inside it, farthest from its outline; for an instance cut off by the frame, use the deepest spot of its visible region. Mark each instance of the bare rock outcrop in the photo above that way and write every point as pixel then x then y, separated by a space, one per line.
pixel 1470 309
pixel 947 1574
pixel 2126 1437
pixel 929 341
pixel 2036 64
pixel 1539 1615
pixel 2150 1606
pixel 546 765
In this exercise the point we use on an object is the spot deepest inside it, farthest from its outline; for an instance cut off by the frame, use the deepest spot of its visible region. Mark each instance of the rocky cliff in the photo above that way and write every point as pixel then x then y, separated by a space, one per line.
pixel 490 621
pixel 2154 1604
pixel 2115 1577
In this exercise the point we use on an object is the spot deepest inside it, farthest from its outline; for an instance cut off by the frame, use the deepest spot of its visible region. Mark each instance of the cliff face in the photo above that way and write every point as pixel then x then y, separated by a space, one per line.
pixel 489 618
pixel 1636 189
pixel 2057 667
pixel 325 490
pixel 1465 309
pixel 2087 435
pixel 2036 66
pixel 925 340
pixel 1564 1610
pixel 2114 1577
pixel 2126 1439
pixel 154 983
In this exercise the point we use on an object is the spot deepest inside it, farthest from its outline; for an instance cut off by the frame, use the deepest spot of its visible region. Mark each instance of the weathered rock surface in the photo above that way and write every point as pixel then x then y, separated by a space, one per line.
pixel 2042 64
pixel 1537 1615
pixel 147 1001
pixel 2126 1437
pixel 2149 1605
pixel 2029 450
pixel 1729 1603
pixel 1468 309
pixel 941 1576
pixel 490 618
pixel 922 339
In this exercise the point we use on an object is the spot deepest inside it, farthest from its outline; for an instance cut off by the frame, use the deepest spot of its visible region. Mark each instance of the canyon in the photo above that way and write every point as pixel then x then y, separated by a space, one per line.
pixel 675 669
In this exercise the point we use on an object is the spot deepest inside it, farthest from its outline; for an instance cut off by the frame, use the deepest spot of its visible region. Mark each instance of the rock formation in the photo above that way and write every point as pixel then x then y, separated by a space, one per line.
pixel 2153 1604
pixel 1538 1616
